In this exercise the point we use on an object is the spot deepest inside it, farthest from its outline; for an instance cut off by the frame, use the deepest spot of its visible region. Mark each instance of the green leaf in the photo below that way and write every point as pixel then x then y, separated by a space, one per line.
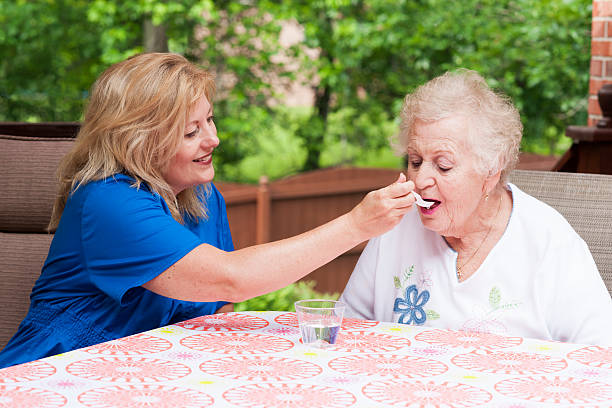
pixel 432 315
pixel 494 297
pixel 408 273
pixel 509 305
pixel 397 282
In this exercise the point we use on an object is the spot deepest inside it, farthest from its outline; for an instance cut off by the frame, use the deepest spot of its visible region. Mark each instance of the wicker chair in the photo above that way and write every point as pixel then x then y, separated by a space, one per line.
pixel 593 221
pixel 27 191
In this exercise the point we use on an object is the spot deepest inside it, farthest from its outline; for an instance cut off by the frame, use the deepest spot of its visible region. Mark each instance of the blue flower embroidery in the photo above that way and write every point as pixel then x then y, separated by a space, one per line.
pixel 411 308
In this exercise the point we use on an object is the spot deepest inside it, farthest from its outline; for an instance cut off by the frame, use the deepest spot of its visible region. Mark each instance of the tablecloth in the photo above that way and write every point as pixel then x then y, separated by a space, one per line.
pixel 256 359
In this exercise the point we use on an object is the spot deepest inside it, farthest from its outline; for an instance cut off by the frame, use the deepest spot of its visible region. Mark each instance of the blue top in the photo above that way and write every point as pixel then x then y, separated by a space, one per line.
pixel 111 239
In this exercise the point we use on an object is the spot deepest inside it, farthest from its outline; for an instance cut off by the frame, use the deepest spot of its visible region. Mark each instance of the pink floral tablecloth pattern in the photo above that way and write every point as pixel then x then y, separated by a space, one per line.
pixel 257 359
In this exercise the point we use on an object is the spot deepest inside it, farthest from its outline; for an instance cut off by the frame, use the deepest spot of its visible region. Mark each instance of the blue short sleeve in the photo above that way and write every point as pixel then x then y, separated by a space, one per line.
pixel 111 239
pixel 129 237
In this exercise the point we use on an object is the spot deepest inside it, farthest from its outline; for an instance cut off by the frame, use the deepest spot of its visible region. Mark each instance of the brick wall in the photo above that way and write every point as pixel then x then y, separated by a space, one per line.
pixel 601 54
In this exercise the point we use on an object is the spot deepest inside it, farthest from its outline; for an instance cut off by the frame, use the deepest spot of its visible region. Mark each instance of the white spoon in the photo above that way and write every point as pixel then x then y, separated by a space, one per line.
pixel 420 202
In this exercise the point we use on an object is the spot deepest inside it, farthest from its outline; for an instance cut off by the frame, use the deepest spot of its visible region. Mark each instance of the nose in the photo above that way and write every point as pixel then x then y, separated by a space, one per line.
pixel 423 177
pixel 209 138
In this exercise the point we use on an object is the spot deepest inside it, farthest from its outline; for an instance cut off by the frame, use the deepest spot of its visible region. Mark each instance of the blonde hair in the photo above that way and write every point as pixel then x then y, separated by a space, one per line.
pixel 495 124
pixel 134 124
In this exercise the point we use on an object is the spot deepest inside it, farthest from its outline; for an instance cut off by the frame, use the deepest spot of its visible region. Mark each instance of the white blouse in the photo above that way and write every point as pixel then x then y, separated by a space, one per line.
pixel 538 281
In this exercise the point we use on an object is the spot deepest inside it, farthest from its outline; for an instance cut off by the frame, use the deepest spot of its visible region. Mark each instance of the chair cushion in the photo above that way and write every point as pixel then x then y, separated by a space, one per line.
pixel 28 183
pixel 21 259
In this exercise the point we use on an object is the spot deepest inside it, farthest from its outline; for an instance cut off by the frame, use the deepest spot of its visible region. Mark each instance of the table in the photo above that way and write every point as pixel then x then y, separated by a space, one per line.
pixel 256 359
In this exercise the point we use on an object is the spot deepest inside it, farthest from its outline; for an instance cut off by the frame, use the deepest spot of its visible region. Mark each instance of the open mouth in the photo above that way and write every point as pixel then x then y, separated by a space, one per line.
pixel 435 203
pixel 203 159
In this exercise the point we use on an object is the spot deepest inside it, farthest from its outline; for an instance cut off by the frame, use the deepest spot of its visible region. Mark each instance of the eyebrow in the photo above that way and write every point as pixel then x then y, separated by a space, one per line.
pixel 209 112
pixel 446 147
pixel 437 152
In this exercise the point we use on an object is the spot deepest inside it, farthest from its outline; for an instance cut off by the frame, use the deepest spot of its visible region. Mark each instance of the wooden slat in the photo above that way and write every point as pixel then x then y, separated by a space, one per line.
pixel 262 217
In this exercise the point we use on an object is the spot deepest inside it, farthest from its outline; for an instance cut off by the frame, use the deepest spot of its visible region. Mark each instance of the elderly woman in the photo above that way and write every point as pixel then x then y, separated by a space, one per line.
pixel 142 238
pixel 485 256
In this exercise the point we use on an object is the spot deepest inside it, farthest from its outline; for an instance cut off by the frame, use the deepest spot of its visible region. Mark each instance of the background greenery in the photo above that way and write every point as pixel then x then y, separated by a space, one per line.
pixel 370 53
pixel 283 299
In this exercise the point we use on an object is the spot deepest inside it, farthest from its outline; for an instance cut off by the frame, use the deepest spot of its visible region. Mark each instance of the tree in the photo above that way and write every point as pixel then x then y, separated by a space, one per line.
pixel 372 52
pixel 52 51
pixel 234 40
pixel 48 55
pixel 238 42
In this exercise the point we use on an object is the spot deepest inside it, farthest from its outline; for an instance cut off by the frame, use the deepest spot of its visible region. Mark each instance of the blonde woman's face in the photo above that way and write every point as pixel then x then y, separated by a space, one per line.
pixel 441 164
pixel 192 164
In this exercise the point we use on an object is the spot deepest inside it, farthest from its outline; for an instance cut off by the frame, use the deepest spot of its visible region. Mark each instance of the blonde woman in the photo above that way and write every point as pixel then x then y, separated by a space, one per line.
pixel 485 256
pixel 141 234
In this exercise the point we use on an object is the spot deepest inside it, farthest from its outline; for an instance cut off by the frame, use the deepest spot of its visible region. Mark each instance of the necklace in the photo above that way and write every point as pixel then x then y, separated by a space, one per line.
pixel 460 268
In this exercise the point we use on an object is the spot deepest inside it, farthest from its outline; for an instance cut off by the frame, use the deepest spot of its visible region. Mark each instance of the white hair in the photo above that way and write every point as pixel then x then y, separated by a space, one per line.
pixel 495 124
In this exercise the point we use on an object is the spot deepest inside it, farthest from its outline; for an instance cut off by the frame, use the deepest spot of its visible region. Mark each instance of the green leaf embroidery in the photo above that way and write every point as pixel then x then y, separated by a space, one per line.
pixel 408 274
pixel 405 277
pixel 509 305
pixel 494 297
pixel 431 314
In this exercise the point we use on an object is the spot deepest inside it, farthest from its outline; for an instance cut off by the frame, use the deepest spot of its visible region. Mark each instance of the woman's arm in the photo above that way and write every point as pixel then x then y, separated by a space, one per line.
pixel 210 274
pixel 226 308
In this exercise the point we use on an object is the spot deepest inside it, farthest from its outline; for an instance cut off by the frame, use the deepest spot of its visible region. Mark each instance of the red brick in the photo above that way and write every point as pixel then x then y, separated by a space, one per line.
pixel 594 85
pixel 608 69
pixel 592 122
pixel 597 68
pixel 602 8
pixel 601 48
pixel 594 108
pixel 598 29
pixel 608 33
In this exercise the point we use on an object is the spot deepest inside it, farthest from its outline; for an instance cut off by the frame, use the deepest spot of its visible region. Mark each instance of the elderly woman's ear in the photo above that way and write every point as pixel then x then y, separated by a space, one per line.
pixel 491 182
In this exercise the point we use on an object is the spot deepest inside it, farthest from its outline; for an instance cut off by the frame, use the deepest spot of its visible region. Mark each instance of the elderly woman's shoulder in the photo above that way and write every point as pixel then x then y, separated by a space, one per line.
pixel 538 215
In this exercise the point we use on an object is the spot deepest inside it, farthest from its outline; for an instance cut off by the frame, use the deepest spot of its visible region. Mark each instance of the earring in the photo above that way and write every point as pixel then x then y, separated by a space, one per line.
pixel 487 197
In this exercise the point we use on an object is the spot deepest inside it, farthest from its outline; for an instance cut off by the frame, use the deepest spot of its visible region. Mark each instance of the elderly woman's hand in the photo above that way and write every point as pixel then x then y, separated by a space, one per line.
pixel 382 209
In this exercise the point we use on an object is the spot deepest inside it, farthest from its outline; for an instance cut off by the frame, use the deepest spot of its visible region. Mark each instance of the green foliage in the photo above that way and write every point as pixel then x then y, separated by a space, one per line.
pixel 283 299
pixel 274 149
pixel 48 58
pixel 374 52
pixel 370 54
pixel 237 42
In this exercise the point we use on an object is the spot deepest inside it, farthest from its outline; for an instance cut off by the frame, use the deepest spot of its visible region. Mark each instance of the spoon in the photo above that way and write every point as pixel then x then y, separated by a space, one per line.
pixel 420 202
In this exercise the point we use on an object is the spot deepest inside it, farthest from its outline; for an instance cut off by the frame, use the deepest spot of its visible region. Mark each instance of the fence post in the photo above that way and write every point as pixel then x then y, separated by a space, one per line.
pixel 262 218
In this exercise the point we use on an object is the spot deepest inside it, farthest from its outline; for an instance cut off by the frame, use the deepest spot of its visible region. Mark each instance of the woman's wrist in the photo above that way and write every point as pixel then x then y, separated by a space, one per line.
pixel 354 229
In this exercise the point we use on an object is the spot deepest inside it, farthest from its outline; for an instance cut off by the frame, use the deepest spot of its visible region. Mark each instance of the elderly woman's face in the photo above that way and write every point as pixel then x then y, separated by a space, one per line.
pixel 441 164
pixel 192 164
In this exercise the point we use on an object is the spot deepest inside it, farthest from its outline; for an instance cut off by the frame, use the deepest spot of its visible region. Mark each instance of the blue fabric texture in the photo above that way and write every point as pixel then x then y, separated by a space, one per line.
pixel 112 238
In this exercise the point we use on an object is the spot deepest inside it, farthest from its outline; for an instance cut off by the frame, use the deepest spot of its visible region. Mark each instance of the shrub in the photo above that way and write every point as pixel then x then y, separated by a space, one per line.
pixel 283 299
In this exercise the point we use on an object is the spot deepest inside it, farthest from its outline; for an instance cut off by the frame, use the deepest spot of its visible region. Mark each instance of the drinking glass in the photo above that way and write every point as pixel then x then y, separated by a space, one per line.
pixel 319 321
